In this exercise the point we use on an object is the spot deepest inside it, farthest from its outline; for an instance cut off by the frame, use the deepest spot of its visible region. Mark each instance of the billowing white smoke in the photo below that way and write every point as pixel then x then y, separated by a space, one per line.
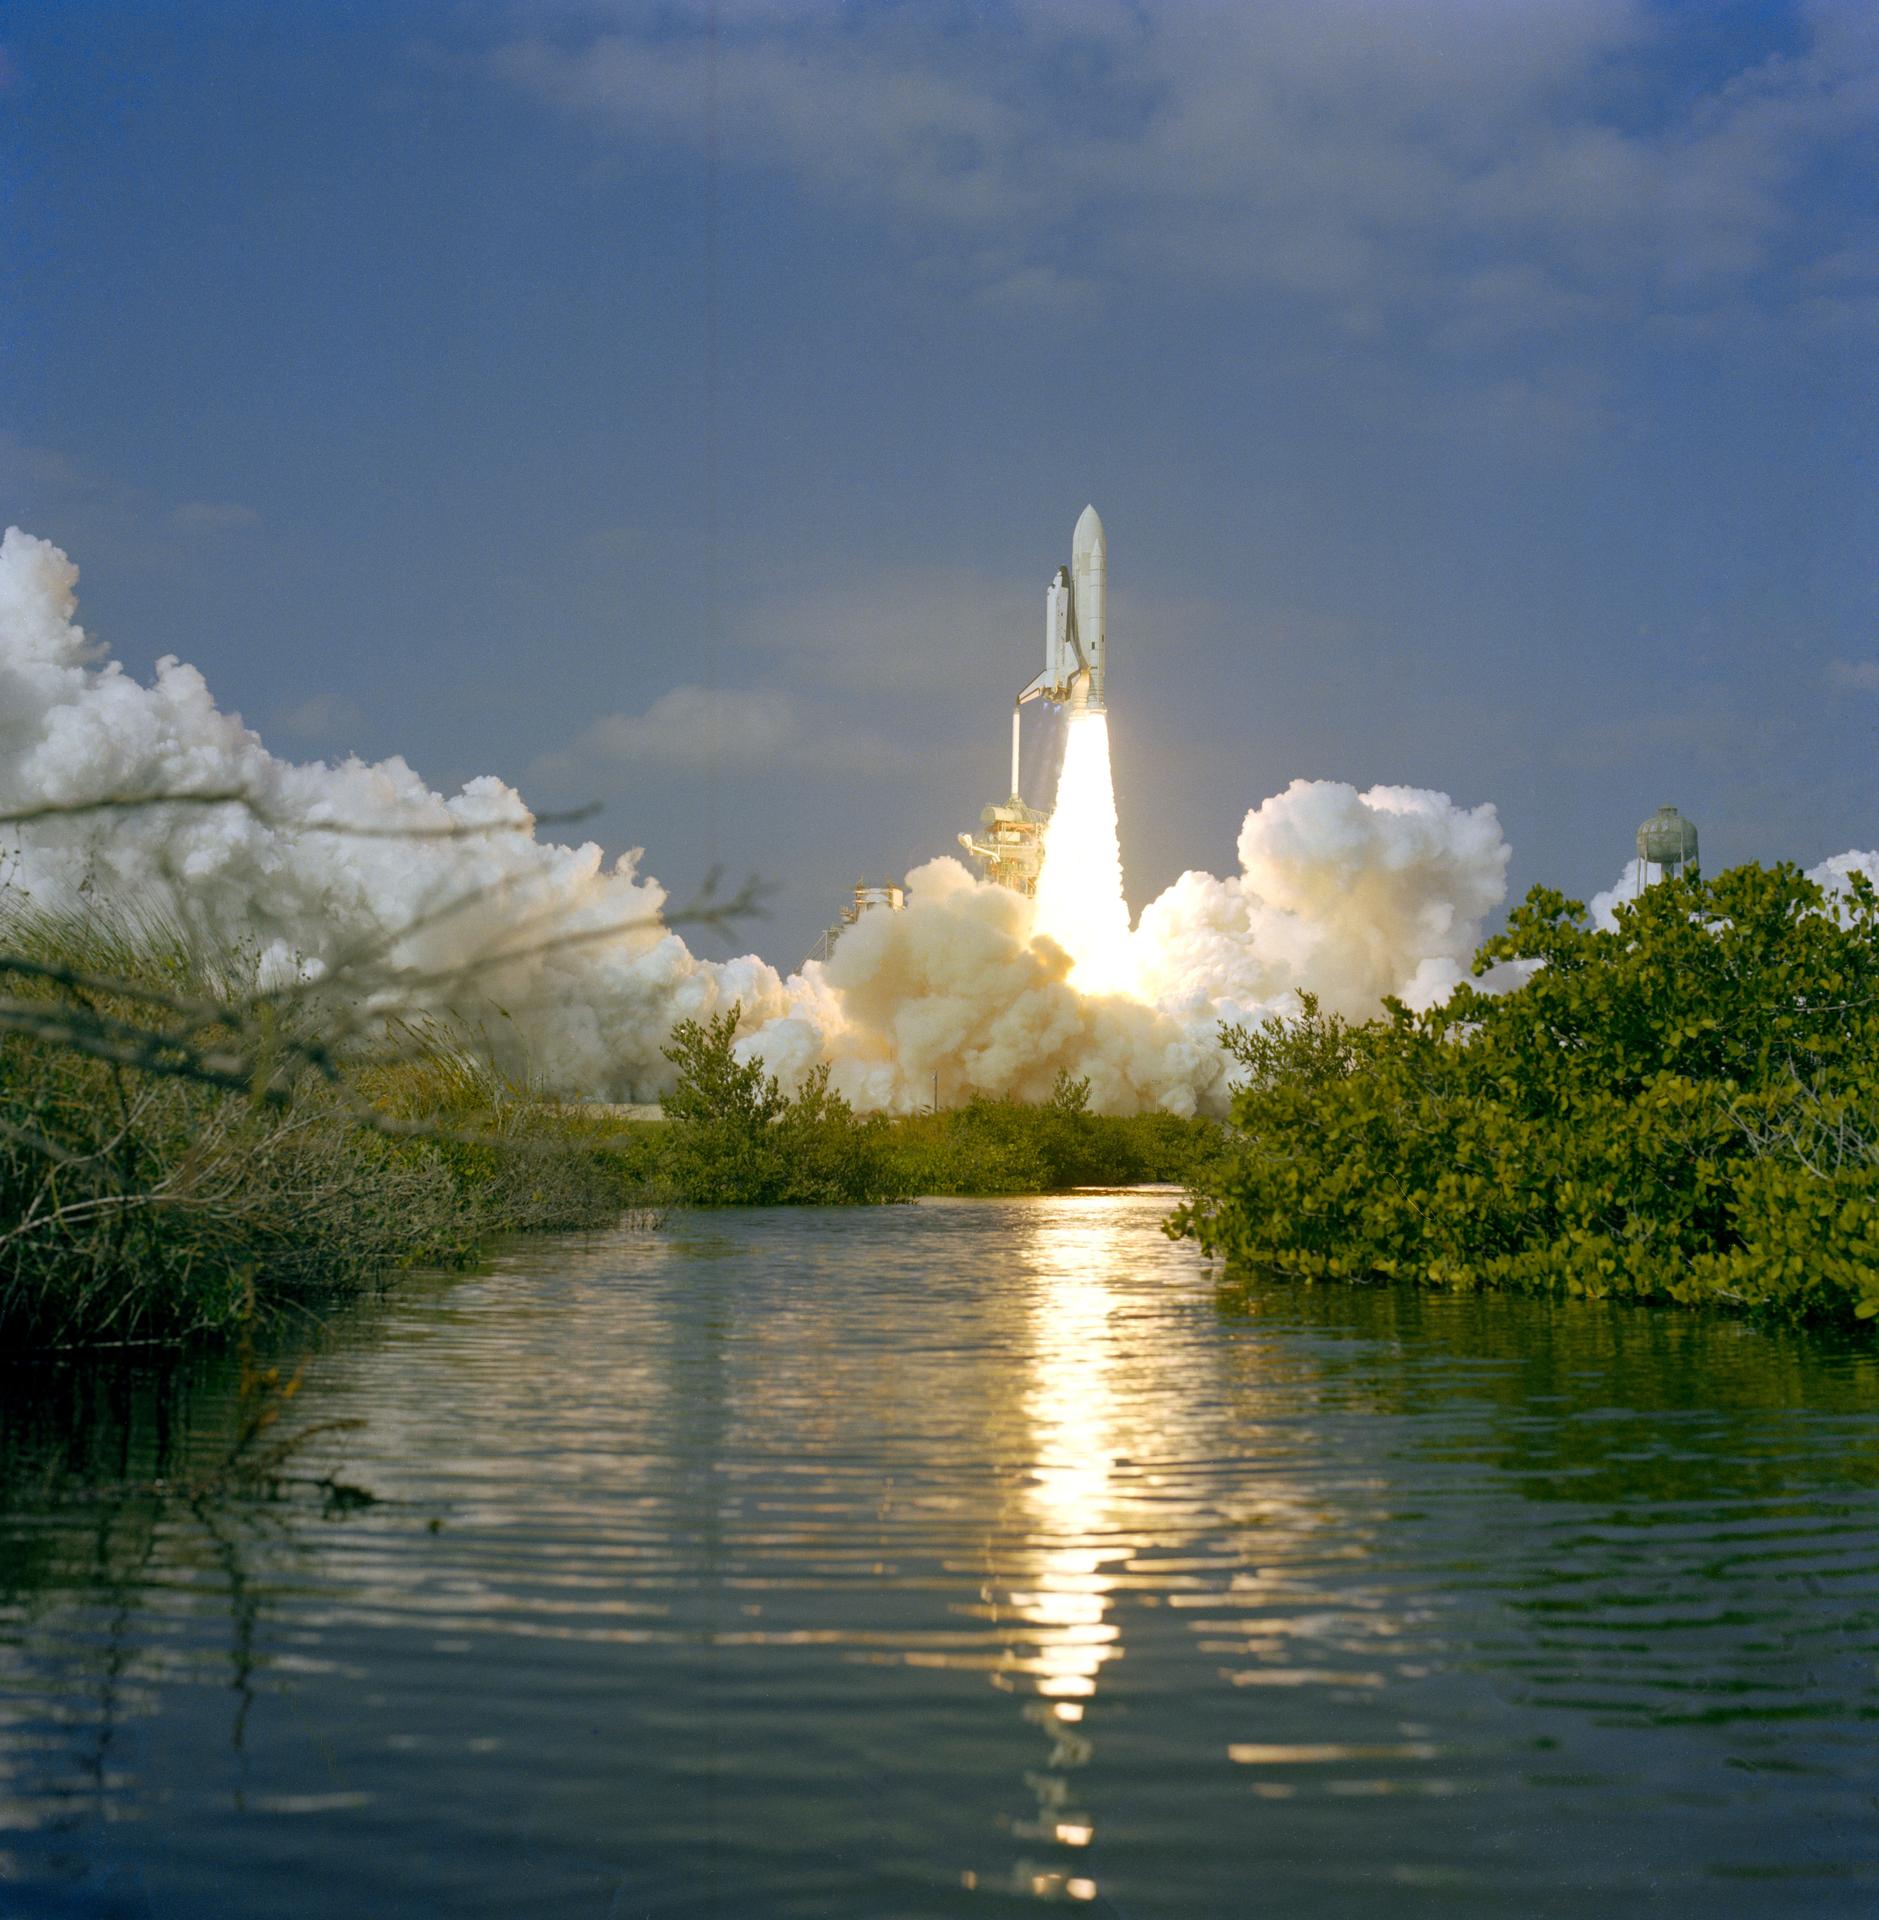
pixel 1350 894
pixel 1834 874
pixel 77 728
pixel 954 986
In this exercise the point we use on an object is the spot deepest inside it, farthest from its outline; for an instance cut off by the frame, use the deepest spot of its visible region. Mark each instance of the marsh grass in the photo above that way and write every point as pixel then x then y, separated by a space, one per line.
pixel 183 1149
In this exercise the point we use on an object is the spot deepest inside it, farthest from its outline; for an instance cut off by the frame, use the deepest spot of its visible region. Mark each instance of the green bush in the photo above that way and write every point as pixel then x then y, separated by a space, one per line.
pixel 734 1139
pixel 1684 1108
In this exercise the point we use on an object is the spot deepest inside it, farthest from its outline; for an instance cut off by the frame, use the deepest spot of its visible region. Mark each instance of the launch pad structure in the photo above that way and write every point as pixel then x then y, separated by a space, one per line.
pixel 1009 846
pixel 871 896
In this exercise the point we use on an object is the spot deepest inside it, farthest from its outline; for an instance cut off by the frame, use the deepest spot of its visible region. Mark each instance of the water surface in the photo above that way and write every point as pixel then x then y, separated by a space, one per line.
pixel 948 1560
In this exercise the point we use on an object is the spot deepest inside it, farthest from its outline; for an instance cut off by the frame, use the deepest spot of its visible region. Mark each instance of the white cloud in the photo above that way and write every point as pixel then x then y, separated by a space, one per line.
pixel 1861 675
pixel 1499 167
pixel 696 729
pixel 119 520
pixel 1041 291
pixel 937 634
pixel 116 521
pixel 901 630
pixel 29 470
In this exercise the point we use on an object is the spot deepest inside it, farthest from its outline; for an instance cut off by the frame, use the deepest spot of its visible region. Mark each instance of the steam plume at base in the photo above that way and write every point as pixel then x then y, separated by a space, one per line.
pixel 584 1017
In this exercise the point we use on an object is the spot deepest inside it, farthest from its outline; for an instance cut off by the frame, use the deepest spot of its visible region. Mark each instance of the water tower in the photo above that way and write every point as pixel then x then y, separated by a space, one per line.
pixel 1666 841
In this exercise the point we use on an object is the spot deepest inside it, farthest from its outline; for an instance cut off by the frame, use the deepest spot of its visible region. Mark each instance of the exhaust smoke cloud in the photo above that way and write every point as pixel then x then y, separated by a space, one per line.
pixel 1351 895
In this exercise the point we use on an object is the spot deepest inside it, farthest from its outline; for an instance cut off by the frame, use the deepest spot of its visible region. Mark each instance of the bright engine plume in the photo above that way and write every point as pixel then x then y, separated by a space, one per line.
pixel 1080 903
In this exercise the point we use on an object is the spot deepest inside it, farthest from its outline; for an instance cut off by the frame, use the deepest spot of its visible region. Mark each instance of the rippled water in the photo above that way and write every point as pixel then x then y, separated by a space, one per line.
pixel 943 1560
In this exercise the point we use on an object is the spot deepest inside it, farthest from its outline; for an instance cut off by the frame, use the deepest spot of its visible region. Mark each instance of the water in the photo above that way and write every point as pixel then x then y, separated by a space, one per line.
pixel 946 1560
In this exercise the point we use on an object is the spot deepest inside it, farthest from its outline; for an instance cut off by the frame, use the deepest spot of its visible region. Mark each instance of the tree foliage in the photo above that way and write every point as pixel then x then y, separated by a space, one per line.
pixel 734 1138
pixel 1684 1108
pixel 738 1140
pixel 988 1146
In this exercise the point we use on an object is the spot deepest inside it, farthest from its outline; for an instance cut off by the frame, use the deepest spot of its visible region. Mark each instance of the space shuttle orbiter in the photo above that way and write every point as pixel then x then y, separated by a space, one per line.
pixel 1076 624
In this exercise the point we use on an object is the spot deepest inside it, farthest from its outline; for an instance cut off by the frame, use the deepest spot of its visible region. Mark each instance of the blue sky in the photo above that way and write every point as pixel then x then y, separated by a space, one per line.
pixel 1479 396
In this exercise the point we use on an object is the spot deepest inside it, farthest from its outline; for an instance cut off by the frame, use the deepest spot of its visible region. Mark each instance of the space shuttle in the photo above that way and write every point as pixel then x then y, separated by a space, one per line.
pixel 1076 624
pixel 1010 844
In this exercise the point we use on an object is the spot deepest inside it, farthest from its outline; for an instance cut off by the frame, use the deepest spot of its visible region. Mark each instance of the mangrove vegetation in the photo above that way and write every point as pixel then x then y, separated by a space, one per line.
pixel 1682 1107
pixel 184 1147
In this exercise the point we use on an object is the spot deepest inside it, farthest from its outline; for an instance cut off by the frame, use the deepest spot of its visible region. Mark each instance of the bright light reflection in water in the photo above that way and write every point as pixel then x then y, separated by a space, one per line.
pixel 1062 1584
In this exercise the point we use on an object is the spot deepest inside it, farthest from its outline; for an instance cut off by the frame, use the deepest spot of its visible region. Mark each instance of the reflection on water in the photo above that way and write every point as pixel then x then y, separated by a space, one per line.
pixel 947 1560
pixel 1064 1573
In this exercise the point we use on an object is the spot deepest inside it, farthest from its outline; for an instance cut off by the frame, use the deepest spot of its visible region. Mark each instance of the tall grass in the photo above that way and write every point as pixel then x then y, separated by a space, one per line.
pixel 179 1149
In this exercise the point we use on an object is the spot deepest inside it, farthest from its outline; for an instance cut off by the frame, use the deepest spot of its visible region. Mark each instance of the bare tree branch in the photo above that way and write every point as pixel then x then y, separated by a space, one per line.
pixel 270 817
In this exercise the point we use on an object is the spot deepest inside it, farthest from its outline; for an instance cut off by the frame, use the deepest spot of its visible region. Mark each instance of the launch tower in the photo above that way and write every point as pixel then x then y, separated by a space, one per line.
pixel 1009 845
pixel 871 896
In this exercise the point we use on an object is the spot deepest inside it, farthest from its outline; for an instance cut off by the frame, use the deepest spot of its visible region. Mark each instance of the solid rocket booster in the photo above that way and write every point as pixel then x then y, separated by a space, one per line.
pixel 1076 624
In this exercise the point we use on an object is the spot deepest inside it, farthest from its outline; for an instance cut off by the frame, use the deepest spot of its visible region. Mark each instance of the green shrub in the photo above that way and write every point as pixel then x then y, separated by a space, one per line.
pixel 1683 1108
pixel 734 1138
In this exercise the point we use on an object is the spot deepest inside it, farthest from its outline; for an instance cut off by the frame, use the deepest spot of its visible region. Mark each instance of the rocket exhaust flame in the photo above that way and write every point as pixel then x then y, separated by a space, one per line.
pixel 1080 903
